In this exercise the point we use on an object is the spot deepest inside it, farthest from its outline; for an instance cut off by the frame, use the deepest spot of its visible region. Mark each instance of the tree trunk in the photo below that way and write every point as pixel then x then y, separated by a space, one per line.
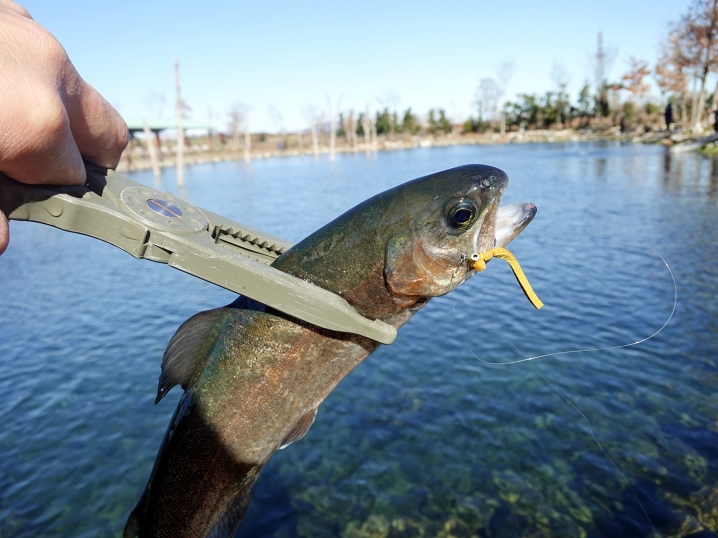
pixel 152 151
pixel 315 141
pixel 332 137
pixel 333 127
pixel 180 129
pixel 367 134
pixel 247 139
pixel 352 131
pixel 694 102
pixel 682 111
pixel 374 138
pixel 702 96
pixel 708 63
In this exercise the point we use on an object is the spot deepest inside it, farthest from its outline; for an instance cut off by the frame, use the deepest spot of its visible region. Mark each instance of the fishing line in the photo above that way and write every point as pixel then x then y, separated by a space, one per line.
pixel 563 396
pixel 604 348
pixel 588 422
pixel 593 435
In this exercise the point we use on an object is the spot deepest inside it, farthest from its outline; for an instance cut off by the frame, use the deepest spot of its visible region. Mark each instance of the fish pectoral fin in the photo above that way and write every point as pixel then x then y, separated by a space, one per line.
pixel 187 348
pixel 300 428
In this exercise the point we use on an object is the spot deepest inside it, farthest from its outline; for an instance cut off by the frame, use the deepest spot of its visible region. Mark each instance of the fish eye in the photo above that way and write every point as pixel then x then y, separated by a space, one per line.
pixel 462 214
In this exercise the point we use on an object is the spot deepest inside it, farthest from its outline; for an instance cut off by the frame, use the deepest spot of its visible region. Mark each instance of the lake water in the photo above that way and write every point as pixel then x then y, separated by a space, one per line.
pixel 431 436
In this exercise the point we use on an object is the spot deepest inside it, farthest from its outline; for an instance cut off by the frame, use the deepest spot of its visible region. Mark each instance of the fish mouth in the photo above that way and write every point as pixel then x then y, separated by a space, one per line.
pixel 511 221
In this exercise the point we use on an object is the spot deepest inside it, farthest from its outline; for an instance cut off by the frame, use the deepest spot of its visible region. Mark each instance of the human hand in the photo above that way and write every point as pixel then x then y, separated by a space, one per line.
pixel 50 119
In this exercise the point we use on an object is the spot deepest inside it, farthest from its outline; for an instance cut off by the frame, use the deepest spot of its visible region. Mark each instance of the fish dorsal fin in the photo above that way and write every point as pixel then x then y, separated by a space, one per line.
pixel 300 428
pixel 187 348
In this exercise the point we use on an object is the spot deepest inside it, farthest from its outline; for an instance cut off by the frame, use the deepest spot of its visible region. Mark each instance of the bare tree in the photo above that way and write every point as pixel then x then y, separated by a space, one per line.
pixel 366 127
pixel 350 131
pixel 277 119
pixel 180 128
pixel 487 97
pixel 247 138
pixel 322 128
pixel 154 103
pixel 390 101
pixel 504 73
pixel 633 78
pixel 374 137
pixel 333 127
pixel 672 70
pixel 697 34
pixel 561 78
pixel 315 139
pixel 152 151
pixel 310 115
pixel 675 69
pixel 300 140
pixel 670 78
pixel 602 63
pixel 212 117
pixel 234 124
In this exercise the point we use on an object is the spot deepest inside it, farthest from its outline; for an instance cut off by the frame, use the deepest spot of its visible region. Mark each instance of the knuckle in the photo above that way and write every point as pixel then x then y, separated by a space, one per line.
pixel 123 134
pixel 46 122
pixel 53 54
pixel 36 120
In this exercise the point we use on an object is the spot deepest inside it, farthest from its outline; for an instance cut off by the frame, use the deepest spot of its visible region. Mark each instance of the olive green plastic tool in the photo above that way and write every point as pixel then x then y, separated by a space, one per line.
pixel 158 226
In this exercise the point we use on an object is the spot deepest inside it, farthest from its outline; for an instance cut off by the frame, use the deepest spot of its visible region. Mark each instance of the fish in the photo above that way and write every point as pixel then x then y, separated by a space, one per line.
pixel 254 377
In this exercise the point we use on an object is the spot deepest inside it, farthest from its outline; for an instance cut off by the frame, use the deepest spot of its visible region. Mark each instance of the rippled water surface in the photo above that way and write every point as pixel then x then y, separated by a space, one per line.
pixel 431 436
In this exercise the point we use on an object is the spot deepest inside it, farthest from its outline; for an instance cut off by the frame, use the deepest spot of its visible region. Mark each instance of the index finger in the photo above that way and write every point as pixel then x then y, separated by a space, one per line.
pixel 98 129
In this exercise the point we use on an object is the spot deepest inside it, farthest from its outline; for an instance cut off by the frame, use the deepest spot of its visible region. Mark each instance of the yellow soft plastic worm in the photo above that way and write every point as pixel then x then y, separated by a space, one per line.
pixel 479 263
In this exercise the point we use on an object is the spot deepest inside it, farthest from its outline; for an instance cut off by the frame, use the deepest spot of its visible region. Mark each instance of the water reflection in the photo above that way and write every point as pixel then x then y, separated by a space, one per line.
pixel 690 174
pixel 601 165
pixel 713 177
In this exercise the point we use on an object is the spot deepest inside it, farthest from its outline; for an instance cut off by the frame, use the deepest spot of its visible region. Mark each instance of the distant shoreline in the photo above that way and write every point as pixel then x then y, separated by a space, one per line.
pixel 135 157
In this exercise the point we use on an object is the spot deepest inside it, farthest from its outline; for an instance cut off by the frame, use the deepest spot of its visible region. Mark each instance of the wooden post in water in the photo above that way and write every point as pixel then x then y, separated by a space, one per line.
pixel 151 150
pixel 180 129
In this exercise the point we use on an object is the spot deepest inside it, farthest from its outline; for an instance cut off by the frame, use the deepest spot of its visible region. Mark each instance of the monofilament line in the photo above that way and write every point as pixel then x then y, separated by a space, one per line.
pixel 588 422
pixel 593 435
pixel 526 359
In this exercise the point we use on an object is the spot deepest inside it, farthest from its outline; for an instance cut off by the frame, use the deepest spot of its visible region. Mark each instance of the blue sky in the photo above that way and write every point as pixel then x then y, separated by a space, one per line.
pixel 291 55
